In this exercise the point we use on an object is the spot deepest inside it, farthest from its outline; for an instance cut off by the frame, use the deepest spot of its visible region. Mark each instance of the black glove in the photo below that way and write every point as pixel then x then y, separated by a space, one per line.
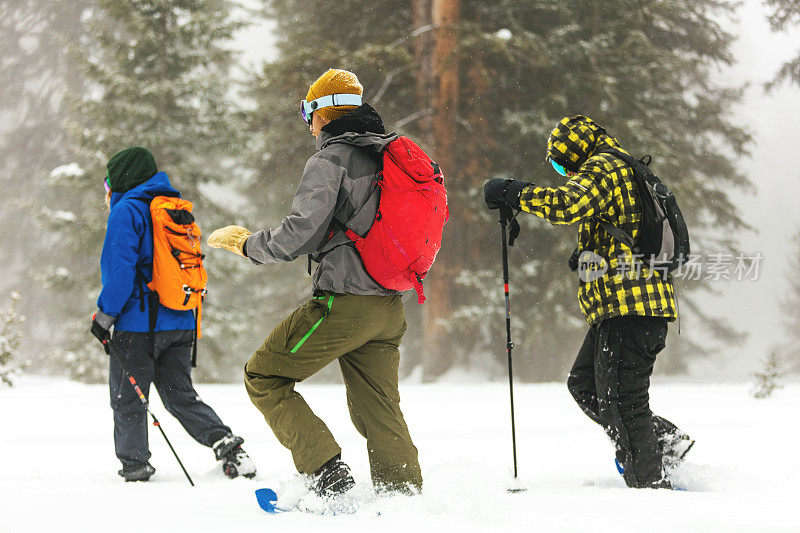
pixel 499 192
pixel 101 324
pixel 574 260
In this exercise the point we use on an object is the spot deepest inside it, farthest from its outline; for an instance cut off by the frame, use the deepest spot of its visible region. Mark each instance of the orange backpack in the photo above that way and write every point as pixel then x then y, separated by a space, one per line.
pixel 179 278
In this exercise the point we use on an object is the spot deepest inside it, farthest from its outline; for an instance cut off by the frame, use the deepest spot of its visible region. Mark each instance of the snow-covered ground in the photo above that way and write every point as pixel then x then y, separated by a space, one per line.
pixel 59 471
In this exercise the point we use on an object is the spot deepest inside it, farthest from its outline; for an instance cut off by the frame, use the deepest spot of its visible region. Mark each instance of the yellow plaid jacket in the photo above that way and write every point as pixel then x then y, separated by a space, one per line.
pixel 603 187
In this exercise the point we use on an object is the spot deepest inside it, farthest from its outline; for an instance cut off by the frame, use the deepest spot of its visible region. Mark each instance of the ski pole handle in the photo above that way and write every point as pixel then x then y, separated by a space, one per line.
pixel 101 333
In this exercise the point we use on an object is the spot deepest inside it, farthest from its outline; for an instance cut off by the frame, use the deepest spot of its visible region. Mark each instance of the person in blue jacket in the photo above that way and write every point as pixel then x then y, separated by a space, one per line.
pixel 126 268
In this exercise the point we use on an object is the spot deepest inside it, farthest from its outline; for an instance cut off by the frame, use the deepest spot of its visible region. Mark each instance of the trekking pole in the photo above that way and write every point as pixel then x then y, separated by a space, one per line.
pixel 146 405
pixel 510 345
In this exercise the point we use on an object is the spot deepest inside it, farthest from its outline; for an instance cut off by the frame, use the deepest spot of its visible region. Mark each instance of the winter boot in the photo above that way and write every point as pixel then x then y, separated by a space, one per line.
pixel 224 445
pixel 235 460
pixel 137 472
pixel 663 483
pixel 333 478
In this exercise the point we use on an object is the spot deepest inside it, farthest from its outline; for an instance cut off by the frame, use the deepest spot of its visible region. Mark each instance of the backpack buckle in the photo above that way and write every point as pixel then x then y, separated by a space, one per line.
pixel 188 292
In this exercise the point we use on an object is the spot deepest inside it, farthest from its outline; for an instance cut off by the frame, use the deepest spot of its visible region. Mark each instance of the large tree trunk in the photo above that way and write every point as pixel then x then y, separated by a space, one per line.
pixel 423 59
pixel 440 283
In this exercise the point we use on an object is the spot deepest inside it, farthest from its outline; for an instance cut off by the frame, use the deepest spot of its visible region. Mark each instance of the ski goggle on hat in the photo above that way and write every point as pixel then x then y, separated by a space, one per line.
pixel 106 185
pixel 307 108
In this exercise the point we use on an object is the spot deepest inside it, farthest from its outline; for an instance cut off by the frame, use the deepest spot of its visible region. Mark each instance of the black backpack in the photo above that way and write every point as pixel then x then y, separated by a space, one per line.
pixel 663 239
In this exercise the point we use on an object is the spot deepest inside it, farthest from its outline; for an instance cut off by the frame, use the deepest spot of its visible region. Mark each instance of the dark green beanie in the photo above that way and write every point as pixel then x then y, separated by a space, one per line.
pixel 129 168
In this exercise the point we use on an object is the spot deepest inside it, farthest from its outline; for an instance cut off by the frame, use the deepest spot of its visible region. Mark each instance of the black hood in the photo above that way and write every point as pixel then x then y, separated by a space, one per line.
pixel 363 119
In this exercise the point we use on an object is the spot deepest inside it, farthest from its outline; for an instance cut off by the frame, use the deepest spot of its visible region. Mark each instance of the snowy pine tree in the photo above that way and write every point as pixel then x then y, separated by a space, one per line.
pixel 157 75
pixel 790 307
pixel 10 338
pixel 37 76
pixel 768 379
pixel 785 14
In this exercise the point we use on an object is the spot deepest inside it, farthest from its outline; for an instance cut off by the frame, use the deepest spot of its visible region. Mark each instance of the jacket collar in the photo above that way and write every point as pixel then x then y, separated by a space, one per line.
pixel 374 141
pixel 361 127
pixel 363 119
pixel 158 185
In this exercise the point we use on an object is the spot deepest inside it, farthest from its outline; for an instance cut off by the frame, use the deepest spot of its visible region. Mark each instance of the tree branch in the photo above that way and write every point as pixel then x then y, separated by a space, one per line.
pixel 412 117
pixel 416 33
pixel 386 83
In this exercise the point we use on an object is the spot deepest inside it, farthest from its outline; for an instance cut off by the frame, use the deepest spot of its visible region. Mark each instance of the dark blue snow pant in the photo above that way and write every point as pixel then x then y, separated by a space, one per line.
pixel 170 371
pixel 610 380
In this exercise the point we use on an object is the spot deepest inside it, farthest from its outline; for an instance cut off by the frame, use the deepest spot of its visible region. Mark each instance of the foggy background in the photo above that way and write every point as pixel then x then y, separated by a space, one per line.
pixel 772 209
pixel 260 146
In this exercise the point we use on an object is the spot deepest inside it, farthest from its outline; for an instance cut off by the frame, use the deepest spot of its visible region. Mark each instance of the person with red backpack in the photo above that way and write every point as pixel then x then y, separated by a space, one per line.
pixel 370 210
pixel 152 277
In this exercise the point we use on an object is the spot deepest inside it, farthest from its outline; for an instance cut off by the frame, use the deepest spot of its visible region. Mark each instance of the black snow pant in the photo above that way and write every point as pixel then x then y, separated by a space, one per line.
pixel 170 371
pixel 610 380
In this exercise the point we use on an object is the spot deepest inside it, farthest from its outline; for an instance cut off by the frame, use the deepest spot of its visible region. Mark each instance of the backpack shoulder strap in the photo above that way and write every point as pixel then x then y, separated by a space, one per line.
pixel 147 201
pixel 140 280
pixel 340 232
pixel 617 233
pixel 150 297
pixel 613 230
pixel 364 214
pixel 626 158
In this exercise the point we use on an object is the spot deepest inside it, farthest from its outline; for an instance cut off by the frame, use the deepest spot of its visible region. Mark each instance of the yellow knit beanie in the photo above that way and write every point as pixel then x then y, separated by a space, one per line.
pixel 335 81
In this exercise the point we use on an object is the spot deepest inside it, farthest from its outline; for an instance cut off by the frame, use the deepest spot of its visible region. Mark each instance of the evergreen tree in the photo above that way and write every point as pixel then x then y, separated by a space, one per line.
pixel 37 75
pixel 157 75
pixel 10 337
pixel 785 13
pixel 481 84
pixel 790 307
pixel 768 380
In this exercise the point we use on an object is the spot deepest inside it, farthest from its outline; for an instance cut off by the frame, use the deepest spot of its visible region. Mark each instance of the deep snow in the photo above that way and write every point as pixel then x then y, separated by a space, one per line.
pixel 59 471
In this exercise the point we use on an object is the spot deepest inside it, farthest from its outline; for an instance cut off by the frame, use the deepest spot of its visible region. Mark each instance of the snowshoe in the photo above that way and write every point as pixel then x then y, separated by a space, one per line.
pixel 333 478
pixel 673 442
pixel 137 472
pixel 235 461
pixel 674 447
pixel 238 463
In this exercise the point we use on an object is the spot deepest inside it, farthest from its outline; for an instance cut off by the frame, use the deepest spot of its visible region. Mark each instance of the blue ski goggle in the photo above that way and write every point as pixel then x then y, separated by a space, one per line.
pixel 559 167
pixel 307 108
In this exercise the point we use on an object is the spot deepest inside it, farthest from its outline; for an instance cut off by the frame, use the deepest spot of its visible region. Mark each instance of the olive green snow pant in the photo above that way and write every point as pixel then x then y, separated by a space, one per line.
pixel 363 333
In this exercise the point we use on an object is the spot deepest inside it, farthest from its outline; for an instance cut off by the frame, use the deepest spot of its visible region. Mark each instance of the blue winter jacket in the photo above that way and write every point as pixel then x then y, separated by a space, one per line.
pixel 127 262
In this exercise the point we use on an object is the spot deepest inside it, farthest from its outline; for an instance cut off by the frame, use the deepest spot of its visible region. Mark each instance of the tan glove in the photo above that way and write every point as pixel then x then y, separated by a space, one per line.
pixel 231 238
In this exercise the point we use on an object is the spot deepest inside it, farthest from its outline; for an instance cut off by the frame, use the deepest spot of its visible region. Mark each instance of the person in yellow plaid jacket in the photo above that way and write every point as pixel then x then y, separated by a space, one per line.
pixel 627 305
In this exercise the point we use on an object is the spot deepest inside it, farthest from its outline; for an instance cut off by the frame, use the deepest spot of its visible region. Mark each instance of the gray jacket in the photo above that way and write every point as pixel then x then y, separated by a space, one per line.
pixel 337 184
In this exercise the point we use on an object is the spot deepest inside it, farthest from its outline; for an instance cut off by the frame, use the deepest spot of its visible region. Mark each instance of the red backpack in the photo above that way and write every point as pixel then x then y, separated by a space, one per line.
pixel 402 243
